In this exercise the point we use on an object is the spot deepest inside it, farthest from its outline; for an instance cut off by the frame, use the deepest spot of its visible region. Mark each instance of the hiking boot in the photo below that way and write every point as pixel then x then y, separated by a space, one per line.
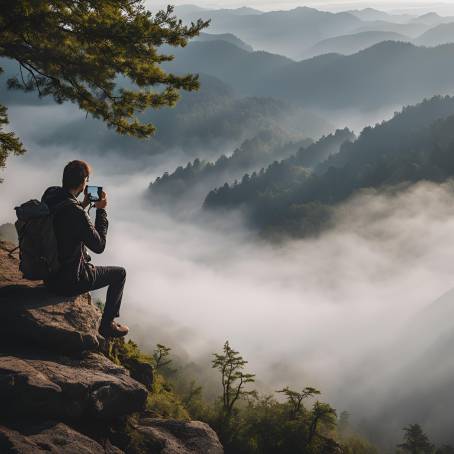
pixel 112 329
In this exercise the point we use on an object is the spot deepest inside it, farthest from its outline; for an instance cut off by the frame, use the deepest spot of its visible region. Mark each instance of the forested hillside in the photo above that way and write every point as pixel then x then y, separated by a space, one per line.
pixel 417 144
pixel 190 184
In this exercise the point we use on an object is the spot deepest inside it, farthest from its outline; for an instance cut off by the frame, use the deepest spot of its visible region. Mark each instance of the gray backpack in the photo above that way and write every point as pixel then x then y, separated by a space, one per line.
pixel 38 252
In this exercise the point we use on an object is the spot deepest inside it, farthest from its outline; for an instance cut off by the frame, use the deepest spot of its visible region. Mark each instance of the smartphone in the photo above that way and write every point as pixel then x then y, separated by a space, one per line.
pixel 94 193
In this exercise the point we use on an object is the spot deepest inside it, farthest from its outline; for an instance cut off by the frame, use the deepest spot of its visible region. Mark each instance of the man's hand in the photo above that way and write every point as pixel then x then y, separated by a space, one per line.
pixel 102 202
pixel 86 200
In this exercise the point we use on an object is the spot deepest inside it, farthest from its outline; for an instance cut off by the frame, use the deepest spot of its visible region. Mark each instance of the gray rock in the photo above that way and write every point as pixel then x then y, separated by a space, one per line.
pixel 169 436
pixel 31 316
pixel 34 317
pixel 54 438
pixel 68 389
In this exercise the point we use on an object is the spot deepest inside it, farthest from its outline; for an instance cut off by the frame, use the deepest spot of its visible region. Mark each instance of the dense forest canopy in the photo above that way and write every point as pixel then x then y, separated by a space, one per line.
pixel 184 185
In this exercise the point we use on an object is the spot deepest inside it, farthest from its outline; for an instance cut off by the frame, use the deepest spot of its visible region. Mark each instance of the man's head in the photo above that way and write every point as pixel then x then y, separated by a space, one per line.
pixel 75 176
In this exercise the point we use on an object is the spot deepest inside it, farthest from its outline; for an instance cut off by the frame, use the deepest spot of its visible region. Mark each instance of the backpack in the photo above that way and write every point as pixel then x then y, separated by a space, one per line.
pixel 38 251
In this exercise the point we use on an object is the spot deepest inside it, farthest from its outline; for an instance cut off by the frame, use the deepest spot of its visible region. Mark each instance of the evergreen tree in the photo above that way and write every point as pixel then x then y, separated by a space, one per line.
pixel 9 143
pixel 416 441
pixel 231 365
pixel 79 50
pixel 295 399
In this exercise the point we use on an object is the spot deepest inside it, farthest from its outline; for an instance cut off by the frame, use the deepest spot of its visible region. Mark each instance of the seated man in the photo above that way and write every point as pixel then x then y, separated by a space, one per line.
pixel 74 232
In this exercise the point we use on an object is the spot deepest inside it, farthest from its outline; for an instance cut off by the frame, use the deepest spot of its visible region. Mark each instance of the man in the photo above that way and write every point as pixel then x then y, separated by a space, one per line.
pixel 75 232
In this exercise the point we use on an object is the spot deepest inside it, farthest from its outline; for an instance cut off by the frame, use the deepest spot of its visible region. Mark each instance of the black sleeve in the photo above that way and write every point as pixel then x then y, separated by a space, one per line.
pixel 94 237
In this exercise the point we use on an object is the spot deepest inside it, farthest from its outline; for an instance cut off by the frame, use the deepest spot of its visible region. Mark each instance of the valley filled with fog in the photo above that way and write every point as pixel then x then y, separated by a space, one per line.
pixel 299 205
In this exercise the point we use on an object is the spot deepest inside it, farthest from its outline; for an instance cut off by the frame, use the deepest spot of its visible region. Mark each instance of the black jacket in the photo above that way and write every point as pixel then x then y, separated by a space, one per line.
pixel 74 232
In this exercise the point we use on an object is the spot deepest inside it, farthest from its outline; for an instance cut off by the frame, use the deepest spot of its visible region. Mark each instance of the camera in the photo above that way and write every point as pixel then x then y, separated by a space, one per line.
pixel 94 193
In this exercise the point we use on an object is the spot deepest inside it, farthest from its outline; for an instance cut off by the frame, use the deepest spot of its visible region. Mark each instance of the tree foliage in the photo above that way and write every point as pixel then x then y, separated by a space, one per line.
pixel 231 364
pixel 258 424
pixel 101 55
pixel 416 441
pixel 9 143
pixel 161 356
pixel 296 398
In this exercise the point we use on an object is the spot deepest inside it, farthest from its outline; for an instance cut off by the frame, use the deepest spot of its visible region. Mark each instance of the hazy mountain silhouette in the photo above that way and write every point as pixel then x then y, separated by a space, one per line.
pixel 284 32
pixel 239 68
pixel 441 34
pixel 412 29
pixel 242 11
pixel 371 14
pixel 388 73
pixel 351 44
pixel 228 37
pixel 432 19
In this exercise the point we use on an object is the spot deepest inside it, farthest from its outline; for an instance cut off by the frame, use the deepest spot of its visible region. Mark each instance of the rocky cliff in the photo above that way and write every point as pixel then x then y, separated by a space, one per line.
pixel 59 393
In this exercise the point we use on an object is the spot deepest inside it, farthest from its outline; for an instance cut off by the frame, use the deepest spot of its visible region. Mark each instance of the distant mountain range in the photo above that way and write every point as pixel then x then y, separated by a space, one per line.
pixel 386 74
pixel 367 36
pixel 350 44
pixel 303 32
pixel 283 32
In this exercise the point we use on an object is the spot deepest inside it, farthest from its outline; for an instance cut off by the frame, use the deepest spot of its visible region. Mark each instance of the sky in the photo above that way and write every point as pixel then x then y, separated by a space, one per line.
pixel 443 8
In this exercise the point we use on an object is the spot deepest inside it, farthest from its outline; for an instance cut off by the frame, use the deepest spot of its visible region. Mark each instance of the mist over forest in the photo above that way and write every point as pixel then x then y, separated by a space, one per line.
pixel 299 205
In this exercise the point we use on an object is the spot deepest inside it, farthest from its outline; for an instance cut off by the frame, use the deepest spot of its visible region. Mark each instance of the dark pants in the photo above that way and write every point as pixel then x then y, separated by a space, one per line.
pixel 114 277
pixel 101 276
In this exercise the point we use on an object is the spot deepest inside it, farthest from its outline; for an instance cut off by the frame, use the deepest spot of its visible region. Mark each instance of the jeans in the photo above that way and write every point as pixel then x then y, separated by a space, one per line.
pixel 114 277
pixel 99 276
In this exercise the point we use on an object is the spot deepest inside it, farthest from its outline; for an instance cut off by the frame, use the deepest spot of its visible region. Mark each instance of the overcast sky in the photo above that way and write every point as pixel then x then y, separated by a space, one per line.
pixel 446 7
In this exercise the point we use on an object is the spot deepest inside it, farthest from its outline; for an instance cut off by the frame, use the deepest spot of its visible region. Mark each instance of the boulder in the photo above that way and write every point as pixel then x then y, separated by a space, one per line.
pixel 50 437
pixel 169 436
pixel 32 316
pixel 68 389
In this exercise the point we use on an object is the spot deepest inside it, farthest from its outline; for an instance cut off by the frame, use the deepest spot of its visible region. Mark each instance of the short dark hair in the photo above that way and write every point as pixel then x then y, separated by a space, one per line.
pixel 75 173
